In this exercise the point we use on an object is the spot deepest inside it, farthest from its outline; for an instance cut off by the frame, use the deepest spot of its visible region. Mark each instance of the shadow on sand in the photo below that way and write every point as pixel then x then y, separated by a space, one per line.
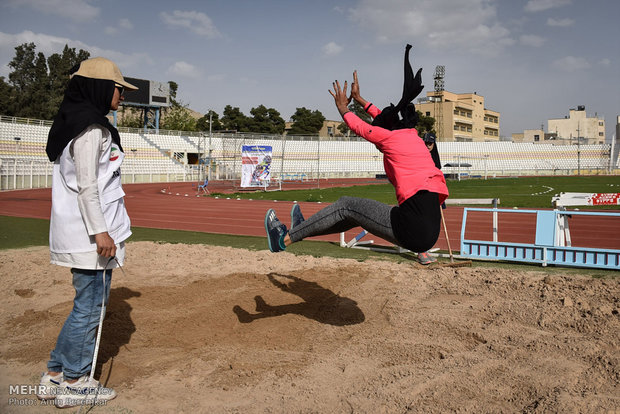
pixel 319 303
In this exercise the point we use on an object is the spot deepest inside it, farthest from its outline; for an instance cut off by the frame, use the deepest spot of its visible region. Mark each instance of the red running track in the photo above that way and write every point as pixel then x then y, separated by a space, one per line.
pixel 149 207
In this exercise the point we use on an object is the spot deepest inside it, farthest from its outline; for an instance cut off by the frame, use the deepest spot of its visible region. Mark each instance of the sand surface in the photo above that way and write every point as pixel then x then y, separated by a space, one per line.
pixel 222 330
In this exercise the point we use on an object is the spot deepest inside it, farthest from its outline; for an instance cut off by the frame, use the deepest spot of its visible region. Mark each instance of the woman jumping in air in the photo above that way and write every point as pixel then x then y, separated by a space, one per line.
pixel 420 186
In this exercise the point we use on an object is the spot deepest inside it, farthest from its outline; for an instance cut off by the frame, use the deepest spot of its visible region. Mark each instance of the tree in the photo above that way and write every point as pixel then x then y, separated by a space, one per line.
pixel 178 118
pixel 22 77
pixel 39 97
pixel 60 66
pixel 6 97
pixel 203 123
pixel 173 93
pixel 425 124
pixel 130 117
pixel 265 120
pixel 36 84
pixel 234 119
pixel 306 122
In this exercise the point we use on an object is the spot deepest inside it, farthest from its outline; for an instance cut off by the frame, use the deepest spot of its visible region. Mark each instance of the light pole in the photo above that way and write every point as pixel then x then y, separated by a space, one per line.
pixel 17 139
pixel 578 151
pixel 210 136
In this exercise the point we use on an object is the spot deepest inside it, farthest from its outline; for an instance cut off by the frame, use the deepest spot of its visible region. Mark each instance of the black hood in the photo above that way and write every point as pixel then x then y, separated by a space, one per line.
pixel 404 114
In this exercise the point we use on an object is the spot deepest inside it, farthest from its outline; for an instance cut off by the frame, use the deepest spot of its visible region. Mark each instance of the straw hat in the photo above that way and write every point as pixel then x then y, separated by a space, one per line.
pixel 102 68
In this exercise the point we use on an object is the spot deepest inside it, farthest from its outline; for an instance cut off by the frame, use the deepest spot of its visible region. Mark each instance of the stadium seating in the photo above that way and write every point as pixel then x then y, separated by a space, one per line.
pixel 154 157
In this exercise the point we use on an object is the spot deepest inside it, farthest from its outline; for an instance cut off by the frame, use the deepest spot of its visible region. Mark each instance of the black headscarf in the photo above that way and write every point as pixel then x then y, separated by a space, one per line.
pixel 87 101
pixel 412 86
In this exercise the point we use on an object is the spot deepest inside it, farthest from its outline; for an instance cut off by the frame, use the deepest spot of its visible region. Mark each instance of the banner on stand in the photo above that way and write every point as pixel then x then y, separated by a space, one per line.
pixel 255 165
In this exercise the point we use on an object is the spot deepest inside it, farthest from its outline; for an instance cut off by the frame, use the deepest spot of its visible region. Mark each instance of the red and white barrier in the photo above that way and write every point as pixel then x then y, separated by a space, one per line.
pixel 585 199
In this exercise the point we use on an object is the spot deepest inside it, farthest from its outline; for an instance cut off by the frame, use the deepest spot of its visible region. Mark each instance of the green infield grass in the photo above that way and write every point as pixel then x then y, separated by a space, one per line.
pixel 525 192
pixel 528 192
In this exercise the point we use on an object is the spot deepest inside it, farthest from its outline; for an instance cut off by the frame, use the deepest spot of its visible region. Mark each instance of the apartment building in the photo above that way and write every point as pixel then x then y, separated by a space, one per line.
pixel 590 130
pixel 461 117
pixel 536 136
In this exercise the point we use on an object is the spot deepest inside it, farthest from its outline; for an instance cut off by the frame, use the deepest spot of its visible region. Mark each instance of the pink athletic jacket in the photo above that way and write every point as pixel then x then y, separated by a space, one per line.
pixel 407 162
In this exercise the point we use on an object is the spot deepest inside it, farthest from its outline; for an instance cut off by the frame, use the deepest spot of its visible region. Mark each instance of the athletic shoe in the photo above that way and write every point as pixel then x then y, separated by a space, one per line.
pixel 275 232
pixel 48 386
pixel 83 392
pixel 296 217
pixel 426 258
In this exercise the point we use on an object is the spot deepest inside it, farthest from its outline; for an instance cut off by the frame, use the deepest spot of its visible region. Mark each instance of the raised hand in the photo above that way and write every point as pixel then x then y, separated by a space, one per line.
pixel 355 86
pixel 355 91
pixel 340 97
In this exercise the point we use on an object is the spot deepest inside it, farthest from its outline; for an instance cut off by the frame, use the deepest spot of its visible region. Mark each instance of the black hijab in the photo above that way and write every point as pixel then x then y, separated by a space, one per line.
pixel 412 86
pixel 87 101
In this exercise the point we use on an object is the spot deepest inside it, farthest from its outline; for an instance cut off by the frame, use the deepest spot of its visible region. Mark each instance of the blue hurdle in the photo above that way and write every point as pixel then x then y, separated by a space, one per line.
pixel 550 247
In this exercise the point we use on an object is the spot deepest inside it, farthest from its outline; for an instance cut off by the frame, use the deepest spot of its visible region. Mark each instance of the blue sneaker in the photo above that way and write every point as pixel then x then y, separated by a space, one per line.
pixel 296 217
pixel 275 232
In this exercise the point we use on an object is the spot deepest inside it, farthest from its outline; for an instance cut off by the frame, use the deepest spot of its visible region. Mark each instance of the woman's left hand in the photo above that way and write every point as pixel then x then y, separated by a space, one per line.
pixel 340 97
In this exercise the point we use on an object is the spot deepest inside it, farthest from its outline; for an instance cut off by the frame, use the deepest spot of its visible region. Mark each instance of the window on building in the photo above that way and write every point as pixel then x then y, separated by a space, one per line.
pixel 462 128
pixel 456 127
pixel 330 131
pixel 486 119
pixel 486 132
pixel 428 113
pixel 600 134
pixel 468 114
pixel 456 112
pixel 468 129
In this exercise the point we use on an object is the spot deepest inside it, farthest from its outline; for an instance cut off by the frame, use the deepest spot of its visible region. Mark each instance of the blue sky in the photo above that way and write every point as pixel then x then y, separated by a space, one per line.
pixel 532 59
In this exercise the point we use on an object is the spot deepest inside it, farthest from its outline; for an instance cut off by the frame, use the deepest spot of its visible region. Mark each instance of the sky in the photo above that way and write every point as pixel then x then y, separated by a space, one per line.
pixel 532 60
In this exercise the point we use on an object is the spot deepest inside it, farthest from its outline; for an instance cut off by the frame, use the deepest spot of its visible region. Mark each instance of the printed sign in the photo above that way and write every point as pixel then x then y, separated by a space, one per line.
pixel 601 199
pixel 255 165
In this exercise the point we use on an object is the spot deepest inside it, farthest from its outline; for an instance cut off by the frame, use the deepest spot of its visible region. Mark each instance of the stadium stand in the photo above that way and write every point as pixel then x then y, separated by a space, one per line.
pixel 179 156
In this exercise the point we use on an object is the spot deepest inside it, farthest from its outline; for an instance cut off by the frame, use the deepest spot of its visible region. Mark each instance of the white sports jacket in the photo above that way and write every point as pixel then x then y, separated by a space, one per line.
pixel 87 199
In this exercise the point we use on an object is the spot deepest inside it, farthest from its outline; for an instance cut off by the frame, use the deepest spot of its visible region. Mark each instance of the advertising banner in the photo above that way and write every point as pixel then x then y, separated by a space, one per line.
pixel 255 165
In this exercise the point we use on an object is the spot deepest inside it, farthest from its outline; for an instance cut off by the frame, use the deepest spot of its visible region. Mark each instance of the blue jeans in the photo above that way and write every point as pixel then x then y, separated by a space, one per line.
pixel 75 346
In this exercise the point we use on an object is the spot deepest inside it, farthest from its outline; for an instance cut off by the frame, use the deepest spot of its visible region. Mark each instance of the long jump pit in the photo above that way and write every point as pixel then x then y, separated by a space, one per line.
pixel 201 329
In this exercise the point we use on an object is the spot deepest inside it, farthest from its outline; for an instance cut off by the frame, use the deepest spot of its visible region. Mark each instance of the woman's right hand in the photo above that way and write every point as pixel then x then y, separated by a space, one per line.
pixel 105 245
pixel 340 97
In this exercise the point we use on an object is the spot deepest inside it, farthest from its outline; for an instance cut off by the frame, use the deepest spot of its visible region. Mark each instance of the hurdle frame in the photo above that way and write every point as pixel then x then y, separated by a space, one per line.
pixel 548 248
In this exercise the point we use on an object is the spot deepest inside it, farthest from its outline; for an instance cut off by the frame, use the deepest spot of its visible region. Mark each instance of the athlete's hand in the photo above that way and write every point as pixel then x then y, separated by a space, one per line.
pixel 105 245
pixel 355 91
pixel 340 97
pixel 355 87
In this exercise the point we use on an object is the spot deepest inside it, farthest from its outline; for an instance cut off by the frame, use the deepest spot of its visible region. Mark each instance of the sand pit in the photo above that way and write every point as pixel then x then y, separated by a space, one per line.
pixel 223 330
